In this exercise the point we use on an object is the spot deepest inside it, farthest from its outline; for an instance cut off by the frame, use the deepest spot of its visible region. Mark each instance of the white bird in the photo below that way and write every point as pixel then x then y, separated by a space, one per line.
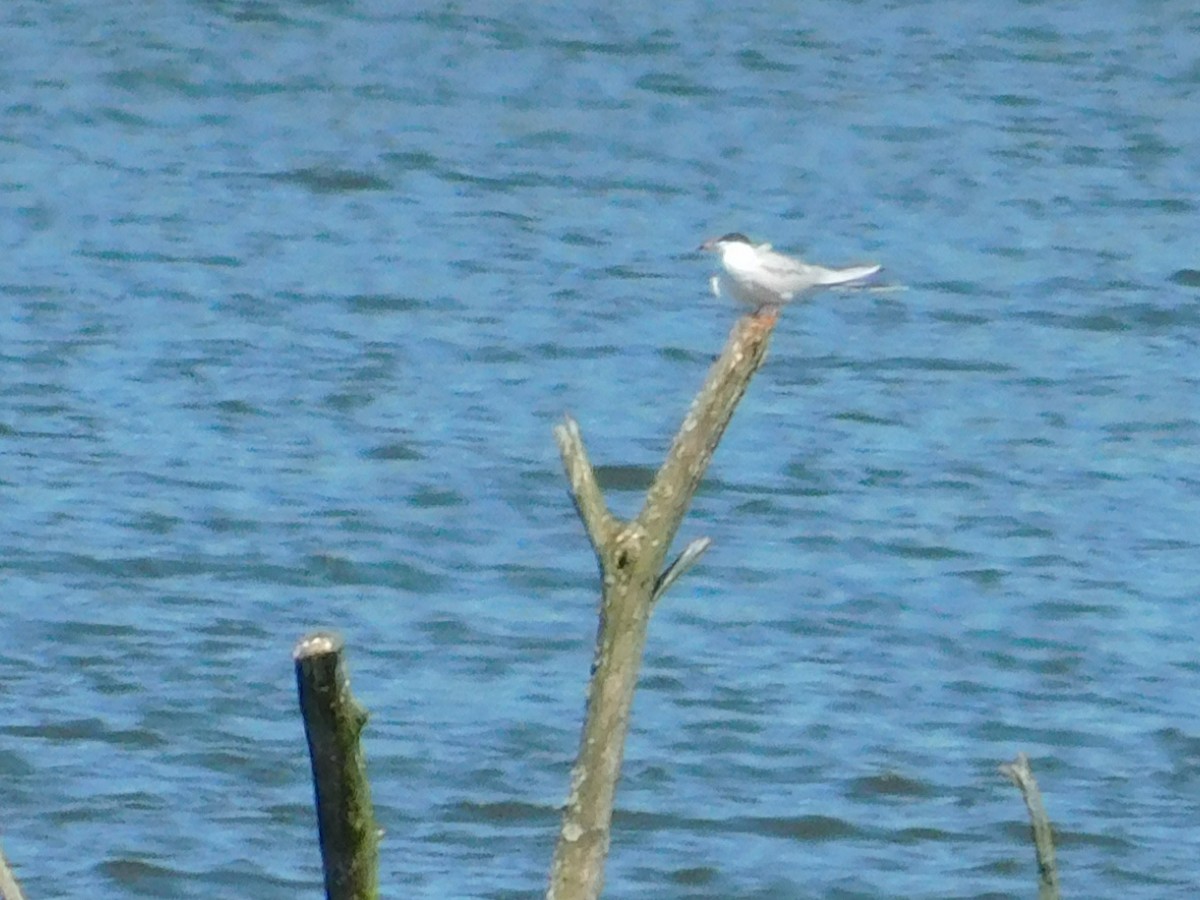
pixel 760 277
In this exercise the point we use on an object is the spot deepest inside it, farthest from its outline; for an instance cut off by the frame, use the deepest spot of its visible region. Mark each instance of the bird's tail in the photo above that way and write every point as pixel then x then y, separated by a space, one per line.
pixel 845 276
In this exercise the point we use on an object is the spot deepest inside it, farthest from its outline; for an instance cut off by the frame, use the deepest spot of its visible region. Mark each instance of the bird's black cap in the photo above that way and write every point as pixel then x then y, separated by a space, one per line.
pixel 734 237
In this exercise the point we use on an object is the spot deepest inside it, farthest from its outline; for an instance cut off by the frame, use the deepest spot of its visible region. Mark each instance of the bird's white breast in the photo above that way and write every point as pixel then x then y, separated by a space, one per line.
pixel 739 259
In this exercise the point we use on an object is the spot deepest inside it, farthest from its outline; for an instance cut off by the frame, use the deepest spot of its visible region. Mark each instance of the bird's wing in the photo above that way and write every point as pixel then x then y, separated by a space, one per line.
pixel 844 276
pixel 780 266
pixel 778 274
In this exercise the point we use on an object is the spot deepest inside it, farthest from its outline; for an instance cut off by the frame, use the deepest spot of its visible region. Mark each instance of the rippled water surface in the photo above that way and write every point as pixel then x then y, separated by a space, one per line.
pixel 293 294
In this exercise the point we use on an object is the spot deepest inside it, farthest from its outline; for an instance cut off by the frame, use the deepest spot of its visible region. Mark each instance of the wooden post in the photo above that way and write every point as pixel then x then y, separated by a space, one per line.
pixel 333 723
pixel 631 556
pixel 1043 840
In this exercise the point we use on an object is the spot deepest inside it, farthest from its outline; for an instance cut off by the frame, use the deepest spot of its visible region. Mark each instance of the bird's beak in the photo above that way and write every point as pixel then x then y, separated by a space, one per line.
pixel 708 245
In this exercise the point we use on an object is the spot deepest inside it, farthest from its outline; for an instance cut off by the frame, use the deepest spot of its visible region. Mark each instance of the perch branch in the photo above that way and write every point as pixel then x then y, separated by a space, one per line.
pixel 631 558
pixel 692 450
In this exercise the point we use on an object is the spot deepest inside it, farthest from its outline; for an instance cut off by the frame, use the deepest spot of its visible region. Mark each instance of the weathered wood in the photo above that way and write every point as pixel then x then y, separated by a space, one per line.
pixel 599 523
pixel 1021 775
pixel 631 556
pixel 9 889
pixel 333 724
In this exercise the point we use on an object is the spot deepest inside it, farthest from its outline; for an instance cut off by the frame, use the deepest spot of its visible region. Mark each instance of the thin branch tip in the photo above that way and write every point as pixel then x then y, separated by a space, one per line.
pixel 688 558
pixel 583 484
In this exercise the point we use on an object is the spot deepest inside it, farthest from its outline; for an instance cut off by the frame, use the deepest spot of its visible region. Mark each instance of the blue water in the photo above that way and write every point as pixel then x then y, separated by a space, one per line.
pixel 293 294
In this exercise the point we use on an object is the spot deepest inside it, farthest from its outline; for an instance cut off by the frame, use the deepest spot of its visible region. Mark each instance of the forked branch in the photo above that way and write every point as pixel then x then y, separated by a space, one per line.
pixel 631 556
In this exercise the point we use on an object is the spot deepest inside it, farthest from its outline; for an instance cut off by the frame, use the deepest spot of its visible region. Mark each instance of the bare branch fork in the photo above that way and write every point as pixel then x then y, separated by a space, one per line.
pixel 631 556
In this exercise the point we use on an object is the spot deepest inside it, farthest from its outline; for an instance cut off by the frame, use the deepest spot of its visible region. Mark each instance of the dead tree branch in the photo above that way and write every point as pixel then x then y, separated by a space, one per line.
pixel 631 556
pixel 1043 840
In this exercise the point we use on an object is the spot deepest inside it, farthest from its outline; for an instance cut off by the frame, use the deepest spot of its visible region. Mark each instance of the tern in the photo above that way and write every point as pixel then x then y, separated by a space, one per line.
pixel 758 276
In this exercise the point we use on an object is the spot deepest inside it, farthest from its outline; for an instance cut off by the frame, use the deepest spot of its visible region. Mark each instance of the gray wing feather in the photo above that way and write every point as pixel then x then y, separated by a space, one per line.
pixel 788 276
pixel 782 266
pixel 800 275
